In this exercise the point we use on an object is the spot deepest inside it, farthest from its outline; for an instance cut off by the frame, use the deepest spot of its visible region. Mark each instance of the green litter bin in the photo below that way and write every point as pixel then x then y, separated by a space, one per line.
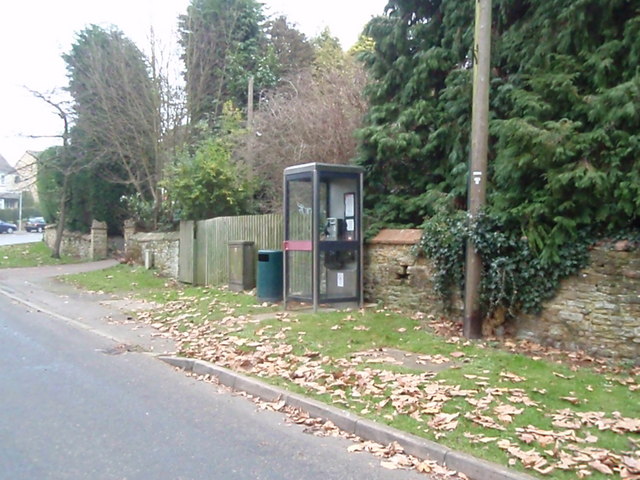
pixel 269 285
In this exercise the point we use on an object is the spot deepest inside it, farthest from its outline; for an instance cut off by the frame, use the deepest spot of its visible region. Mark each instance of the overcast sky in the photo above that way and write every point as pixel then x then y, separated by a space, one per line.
pixel 35 33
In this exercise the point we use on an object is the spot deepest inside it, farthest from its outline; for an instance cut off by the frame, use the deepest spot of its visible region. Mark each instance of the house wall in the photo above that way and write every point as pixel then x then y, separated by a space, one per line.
pixel 14 180
pixel 27 171
pixel 8 198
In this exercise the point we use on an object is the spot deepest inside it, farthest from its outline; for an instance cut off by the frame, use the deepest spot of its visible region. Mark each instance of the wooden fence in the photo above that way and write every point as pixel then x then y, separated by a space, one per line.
pixel 204 245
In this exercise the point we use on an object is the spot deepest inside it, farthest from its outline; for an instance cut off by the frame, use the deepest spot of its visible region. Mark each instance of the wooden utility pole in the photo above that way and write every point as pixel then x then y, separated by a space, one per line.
pixel 250 103
pixel 472 327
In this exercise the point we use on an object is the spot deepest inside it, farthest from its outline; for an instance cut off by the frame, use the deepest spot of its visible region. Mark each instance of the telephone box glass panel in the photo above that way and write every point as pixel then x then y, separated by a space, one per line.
pixel 299 237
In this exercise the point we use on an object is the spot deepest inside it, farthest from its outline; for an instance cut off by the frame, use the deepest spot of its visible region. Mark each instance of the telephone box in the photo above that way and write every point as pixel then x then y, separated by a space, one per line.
pixel 323 235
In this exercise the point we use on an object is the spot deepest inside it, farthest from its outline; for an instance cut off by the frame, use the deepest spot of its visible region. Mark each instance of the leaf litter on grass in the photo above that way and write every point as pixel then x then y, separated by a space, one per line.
pixel 375 386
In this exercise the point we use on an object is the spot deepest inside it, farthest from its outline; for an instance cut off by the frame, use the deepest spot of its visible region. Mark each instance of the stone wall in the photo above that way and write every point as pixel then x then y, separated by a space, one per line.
pixel 159 250
pixel 396 277
pixel 74 244
pixel 597 311
pixel 91 246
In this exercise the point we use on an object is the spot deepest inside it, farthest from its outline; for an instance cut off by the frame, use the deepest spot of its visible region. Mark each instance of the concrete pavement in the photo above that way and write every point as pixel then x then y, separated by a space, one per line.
pixel 106 315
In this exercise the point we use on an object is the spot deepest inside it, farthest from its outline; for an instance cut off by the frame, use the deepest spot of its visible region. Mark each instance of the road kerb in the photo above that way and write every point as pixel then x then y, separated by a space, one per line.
pixel 474 468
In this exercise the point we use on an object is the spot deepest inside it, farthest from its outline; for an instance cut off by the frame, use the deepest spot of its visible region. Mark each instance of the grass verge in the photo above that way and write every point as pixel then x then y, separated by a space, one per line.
pixel 512 402
pixel 138 282
pixel 30 255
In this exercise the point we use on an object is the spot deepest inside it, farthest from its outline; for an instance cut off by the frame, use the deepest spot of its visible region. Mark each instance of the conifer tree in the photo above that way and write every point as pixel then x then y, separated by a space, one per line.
pixel 565 115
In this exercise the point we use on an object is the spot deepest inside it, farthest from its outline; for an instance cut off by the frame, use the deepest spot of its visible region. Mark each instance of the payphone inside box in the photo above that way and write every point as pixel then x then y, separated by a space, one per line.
pixel 323 240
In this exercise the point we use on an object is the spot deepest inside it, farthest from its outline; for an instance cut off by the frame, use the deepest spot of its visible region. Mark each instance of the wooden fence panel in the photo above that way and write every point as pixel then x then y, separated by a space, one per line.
pixel 187 252
pixel 201 253
pixel 212 243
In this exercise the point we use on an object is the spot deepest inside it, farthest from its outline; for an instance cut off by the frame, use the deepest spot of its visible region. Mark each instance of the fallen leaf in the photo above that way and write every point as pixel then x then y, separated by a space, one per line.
pixel 601 467
pixel 484 421
pixel 512 377
pixel 424 467
pixel 444 421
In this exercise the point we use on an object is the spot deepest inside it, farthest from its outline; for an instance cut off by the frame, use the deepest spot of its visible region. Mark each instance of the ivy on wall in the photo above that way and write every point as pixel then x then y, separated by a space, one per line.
pixel 514 278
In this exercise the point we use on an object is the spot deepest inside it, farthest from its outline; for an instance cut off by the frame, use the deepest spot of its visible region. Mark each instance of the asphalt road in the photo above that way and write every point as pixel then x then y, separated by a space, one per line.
pixel 71 409
pixel 19 237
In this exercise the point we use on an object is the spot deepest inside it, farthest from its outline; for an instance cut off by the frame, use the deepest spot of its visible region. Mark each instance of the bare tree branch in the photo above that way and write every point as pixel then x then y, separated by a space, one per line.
pixel 63 161
pixel 311 117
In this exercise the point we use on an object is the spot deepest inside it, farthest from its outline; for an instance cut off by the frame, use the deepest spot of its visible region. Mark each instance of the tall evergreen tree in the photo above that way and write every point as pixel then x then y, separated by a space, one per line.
pixel 117 123
pixel 222 46
pixel 414 145
pixel 293 52
pixel 565 112
pixel 567 102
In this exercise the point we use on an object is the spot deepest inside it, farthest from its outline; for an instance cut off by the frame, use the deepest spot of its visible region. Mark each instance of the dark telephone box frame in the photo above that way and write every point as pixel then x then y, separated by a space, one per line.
pixel 332 238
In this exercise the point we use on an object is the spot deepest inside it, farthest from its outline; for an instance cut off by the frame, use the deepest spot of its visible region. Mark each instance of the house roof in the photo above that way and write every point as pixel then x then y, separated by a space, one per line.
pixel 4 166
pixel 10 195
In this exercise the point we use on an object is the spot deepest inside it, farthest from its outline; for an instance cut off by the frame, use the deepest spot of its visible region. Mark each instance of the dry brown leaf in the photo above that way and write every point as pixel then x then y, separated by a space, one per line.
pixel 506 409
pixel 511 377
pixel 546 470
pixel 484 421
pixel 572 400
pixel 506 412
pixel 632 464
pixel 567 423
pixel 431 408
pixel 600 467
pixel 518 396
pixel 624 425
pixel 630 468
pixel 437 359
pixel 424 467
pixel 444 421
pixel 479 438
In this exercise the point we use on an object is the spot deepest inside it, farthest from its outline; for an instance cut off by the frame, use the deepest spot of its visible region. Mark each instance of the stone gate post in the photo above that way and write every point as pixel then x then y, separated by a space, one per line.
pixel 98 240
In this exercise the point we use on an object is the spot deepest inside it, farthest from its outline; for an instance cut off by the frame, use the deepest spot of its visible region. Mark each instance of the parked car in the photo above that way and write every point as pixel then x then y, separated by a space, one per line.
pixel 35 224
pixel 6 227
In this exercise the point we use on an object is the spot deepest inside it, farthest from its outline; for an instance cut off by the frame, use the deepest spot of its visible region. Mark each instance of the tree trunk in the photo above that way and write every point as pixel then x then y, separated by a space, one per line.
pixel 61 217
